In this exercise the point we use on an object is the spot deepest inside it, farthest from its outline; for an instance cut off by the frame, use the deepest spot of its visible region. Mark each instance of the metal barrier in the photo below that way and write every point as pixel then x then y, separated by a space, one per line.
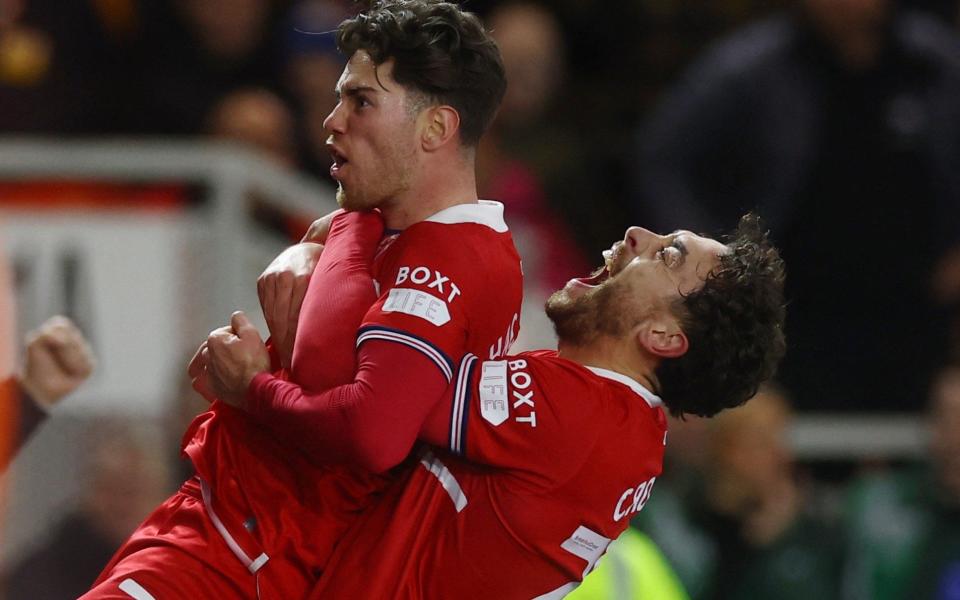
pixel 231 173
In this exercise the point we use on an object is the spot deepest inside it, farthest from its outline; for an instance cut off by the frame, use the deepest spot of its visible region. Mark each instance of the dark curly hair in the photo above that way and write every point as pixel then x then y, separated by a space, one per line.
pixel 440 51
pixel 734 325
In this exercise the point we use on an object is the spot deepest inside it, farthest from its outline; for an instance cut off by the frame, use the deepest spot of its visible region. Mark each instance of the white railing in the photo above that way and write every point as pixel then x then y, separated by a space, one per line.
pixel 230 173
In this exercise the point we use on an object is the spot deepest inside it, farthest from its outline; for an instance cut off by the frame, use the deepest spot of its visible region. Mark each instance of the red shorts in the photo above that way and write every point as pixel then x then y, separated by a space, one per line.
pixel 181 551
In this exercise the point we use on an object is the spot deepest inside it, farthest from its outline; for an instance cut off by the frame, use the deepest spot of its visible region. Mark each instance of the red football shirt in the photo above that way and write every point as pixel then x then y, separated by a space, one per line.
pixel 558 458
pixel 446 286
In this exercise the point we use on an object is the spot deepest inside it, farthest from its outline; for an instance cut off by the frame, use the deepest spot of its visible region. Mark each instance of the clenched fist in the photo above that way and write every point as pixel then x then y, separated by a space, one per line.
pixel 233 356
pixel 58 359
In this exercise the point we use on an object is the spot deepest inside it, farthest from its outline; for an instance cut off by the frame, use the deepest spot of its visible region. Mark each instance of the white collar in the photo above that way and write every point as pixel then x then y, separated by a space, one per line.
pixel 484 212
pixel 652 399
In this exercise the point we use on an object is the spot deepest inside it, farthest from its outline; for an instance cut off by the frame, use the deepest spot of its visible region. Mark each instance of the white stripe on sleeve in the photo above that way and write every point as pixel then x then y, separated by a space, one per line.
pixel 408 340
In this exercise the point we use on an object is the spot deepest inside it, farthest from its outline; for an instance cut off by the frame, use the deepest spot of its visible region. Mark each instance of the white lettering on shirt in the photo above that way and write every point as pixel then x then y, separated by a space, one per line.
pixel 418 304
pixel 506 340
pixel 421 275
pixel 633 499
pixel 493 391
pixel 520 380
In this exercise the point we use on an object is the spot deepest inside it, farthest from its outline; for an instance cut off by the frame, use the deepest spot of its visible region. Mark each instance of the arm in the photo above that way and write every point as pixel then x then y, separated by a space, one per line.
pixel 283 285
pixel 58 359
pixel 515 414
pixel 372 422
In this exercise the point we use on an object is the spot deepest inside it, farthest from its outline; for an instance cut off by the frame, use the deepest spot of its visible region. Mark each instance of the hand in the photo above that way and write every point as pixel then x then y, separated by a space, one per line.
pixel 320 228
pixel 58 359
pixel 281 288
pixel 234 356
pixel 199 374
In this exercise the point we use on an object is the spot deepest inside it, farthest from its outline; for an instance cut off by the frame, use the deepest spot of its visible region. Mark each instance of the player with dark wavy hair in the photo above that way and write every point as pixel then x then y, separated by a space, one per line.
pixel 575 438
pixel 438 50
pixel 735 327
pixel 732 324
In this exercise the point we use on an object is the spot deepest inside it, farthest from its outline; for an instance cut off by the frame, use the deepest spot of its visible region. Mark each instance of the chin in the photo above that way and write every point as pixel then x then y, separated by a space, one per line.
pixel 348 201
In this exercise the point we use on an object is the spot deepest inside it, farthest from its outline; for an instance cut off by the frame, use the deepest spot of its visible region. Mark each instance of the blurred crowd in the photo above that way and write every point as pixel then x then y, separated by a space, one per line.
pixel 838 121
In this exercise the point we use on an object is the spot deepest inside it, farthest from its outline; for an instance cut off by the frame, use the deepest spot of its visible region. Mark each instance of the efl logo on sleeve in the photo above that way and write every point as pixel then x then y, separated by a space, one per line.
pixel 419 304
pixel 493 391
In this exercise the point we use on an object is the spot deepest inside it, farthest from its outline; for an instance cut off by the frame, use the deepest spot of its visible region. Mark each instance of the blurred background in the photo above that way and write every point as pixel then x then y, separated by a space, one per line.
pixel 156 154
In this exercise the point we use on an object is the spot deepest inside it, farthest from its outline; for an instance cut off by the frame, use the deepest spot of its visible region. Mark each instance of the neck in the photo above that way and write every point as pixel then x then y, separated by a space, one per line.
pixel 607 353
pixel 435 190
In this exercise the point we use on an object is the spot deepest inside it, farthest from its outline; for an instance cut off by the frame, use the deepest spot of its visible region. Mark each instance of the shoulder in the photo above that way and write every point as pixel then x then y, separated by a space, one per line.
pixel 462 233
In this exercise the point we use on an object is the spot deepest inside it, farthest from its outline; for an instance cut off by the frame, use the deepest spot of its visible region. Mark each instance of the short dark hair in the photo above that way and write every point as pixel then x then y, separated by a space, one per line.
pixel 734 325
pixel 439 51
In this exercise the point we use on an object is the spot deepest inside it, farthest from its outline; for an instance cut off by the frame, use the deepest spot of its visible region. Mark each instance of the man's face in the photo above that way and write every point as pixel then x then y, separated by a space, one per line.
pixel 373 135
pixel 644 273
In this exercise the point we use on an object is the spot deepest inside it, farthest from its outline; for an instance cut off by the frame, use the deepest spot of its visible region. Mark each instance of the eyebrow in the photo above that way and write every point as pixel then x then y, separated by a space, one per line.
pixel 678 244
pixel 353 90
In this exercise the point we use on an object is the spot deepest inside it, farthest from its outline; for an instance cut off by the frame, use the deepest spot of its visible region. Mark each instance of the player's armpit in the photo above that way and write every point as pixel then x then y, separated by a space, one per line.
pixel 371 422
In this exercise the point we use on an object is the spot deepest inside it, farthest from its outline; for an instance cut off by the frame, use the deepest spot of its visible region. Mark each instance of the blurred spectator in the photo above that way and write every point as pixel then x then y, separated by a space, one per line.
pixel 511 172
pixel 125 479
pixel 259 119
pixel 57 360
pixel 65 67
pixel 840 123
pixel 312 68
pixel 746 529
pixel 193 52
pixel 904 527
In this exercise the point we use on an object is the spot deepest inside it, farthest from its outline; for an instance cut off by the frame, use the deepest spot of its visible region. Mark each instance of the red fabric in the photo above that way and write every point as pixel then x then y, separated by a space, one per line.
pixel 465 270
pixel 301 507
pixel 340 292
pixel 561 486
pixel 372 422
pixel 177 553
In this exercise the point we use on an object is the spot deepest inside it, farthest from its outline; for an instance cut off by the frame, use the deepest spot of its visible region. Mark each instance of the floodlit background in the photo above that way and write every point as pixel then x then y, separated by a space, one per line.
pixel 156 154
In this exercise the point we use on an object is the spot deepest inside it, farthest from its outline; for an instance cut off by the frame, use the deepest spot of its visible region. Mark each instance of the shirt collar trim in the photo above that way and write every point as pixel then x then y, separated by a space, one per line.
pixel 484 212
pixel 652 399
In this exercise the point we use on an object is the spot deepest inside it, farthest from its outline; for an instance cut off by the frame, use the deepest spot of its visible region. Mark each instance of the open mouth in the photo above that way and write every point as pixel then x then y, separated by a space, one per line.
pixel 611 260
pixel 339 160
pixel 595 279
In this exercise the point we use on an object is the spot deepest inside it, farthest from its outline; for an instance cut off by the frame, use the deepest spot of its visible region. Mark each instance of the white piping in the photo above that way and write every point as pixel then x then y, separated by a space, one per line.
pixel 252 565
pixel 446 479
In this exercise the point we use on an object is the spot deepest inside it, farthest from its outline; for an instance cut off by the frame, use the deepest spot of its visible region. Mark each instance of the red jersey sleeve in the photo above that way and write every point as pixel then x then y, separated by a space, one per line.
pixel 340 292
pixel 523 413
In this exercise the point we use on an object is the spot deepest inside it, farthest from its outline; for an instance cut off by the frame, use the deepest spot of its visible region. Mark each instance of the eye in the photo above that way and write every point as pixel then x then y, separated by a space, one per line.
pixel 362 102
pixel 671 256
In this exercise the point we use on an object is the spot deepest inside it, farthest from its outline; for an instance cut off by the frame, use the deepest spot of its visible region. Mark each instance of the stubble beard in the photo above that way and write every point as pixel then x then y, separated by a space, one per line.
pixel 354 201
pixel 393 180
pixel 602 311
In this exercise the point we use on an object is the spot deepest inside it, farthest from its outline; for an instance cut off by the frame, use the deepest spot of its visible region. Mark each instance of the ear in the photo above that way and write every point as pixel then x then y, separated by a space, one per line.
pixel 663 338
pixel 441 125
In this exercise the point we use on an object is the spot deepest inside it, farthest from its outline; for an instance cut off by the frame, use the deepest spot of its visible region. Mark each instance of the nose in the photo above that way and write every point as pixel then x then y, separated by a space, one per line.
pixel 638 238
pixel 335 123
